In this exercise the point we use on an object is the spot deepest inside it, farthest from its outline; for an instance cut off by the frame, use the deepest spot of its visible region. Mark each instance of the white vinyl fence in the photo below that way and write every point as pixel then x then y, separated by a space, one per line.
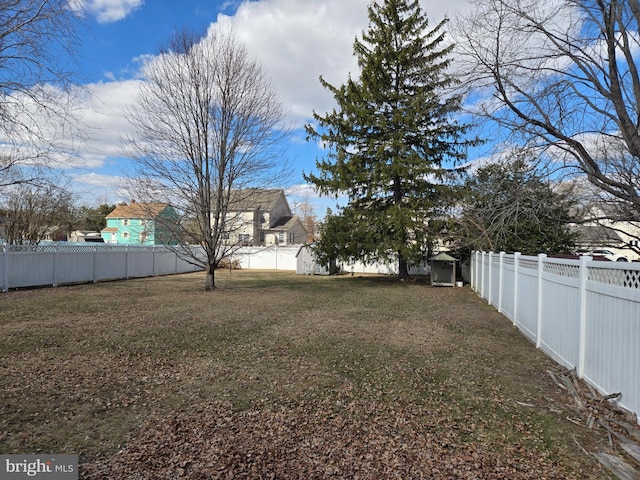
pixel 584 314
pixel 57 264
pixel 273 257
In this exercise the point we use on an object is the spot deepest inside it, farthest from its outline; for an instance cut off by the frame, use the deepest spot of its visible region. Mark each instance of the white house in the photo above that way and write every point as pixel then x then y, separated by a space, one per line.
pixel 599 231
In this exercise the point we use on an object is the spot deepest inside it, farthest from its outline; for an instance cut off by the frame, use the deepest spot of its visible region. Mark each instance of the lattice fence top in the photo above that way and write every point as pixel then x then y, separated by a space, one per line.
pixel 619 277
pixel 562 270
pixel 64 248
pixel 531 264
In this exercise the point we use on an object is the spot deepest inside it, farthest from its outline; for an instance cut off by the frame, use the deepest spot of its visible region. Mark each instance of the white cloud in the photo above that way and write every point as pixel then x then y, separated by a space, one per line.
pixel 107 11
pixel 102 113
pixel 299 40
pixel 94 189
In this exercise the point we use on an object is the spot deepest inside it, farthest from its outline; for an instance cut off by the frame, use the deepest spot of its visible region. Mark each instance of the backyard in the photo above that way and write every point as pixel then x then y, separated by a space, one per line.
pixel 277 375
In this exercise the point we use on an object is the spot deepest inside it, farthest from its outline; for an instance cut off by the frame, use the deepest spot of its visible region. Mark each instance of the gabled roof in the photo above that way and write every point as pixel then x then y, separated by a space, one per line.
pixel 254 199
pixel 283 222
pixel 288 222
pixel 443 257
pixel 147 211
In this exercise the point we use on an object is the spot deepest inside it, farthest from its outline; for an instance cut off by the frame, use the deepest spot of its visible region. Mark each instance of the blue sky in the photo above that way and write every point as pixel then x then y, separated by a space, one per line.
pixel 295 40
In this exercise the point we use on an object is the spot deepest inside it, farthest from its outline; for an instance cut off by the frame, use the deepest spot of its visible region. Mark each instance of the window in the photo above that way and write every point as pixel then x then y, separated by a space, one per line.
pixel 262 237
pixel 280 237
pixel 125 234
pixel 292 238
pixel 244 238
pixel 125 222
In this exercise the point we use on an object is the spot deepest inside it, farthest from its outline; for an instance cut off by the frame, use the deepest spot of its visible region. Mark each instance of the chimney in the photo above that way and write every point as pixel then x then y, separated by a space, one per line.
pixel 133 200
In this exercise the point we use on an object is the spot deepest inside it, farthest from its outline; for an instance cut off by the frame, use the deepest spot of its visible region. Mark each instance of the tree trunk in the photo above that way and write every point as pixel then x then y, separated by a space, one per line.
pixel 209 283
pixel 403 271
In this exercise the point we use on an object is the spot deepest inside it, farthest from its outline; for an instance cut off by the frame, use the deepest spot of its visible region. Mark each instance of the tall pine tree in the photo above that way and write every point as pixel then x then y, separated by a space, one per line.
pixel 390 135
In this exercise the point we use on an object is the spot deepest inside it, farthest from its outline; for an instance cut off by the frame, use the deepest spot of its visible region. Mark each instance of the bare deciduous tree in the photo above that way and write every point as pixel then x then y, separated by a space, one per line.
pixel 30 211
pixel 562 76
pixel 206 123
pixel 304 209
pixel 37 42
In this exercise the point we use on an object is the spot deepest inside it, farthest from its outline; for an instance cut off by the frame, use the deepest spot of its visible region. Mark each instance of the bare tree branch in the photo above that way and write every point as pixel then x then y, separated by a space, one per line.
pixel 38 39
pixel 561 76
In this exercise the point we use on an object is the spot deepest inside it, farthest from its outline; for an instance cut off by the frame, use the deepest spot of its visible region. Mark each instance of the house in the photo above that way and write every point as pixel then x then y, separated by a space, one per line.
pixel 599 231
pixel 141 224
pixel 603 229
pixel 55 233
pixel 262 217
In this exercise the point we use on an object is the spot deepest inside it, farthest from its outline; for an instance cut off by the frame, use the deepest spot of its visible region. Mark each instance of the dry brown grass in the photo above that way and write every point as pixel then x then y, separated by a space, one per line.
pixel 275 375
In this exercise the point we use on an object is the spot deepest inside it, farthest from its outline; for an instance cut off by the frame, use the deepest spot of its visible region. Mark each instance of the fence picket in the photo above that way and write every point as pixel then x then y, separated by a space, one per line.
pixel 585 314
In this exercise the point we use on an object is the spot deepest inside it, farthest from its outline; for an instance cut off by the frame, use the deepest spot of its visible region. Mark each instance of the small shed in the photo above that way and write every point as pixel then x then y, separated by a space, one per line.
pixel 443 270
pixel 306 263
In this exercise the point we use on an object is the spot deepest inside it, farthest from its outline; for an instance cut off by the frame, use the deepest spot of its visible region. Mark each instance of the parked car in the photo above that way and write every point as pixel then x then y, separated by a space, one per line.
pixel 609 255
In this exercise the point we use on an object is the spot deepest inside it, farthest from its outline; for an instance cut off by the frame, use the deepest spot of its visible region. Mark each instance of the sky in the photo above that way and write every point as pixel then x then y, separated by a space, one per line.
pixel 295 41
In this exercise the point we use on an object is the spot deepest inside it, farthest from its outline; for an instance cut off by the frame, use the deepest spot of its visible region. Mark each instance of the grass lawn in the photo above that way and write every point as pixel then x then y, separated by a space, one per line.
pixel 275 375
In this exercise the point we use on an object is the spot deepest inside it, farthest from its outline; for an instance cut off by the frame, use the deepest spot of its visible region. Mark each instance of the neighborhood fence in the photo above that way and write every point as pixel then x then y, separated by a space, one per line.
pixel 584 314
pixel 57 264
pixel 273 257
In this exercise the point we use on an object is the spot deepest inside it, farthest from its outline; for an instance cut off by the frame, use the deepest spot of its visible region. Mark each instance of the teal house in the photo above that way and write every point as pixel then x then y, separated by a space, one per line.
pixel 141 224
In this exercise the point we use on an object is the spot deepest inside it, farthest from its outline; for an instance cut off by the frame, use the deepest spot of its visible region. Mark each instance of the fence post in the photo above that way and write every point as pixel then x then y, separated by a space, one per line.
pixel 490 286
pixel 541 258
pixel 482 264
pixel 582 340
pixel 95 261
pixel 516 262
pixel 500 280
pixel 5 286
pixel 472 271
pixel 55 261
pixel 126 261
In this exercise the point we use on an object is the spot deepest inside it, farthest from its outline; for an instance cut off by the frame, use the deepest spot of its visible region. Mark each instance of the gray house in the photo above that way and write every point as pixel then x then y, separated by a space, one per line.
pixel 262 217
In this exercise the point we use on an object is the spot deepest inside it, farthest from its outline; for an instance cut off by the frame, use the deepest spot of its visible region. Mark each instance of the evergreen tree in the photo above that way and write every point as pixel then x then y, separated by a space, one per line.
pixel 95 218
pixel 391 134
